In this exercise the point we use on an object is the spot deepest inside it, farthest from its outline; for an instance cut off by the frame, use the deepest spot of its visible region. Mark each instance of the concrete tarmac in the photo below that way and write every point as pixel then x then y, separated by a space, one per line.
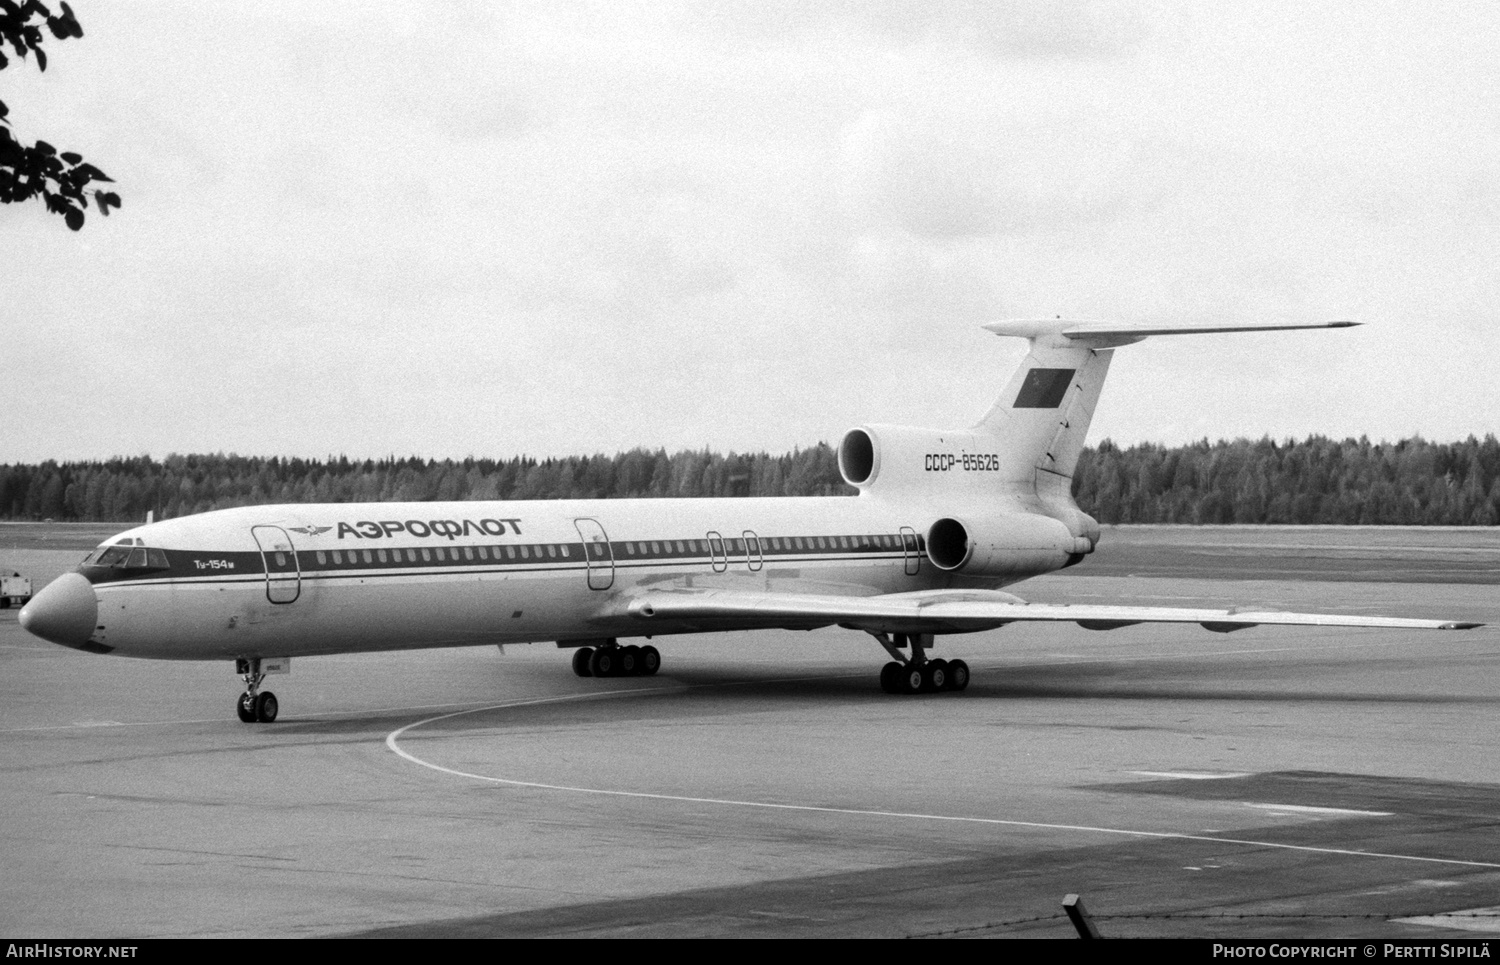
pixel 1295 782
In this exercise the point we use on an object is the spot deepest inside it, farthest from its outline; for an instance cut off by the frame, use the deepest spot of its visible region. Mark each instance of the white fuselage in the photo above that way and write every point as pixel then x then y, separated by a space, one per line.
pixel 336 578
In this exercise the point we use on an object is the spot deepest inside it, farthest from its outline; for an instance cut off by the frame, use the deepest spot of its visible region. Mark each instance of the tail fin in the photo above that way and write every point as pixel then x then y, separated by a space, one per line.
pixel 1043 414
pixel 1042 418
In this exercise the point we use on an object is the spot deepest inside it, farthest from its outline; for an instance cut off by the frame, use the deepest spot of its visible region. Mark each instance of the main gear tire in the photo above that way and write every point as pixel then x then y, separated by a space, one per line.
pixel 605 662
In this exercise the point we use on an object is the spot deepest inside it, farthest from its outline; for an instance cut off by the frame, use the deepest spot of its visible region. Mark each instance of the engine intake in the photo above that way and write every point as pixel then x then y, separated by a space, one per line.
pixel 948 544
pixel 1011 545
pixel 857 460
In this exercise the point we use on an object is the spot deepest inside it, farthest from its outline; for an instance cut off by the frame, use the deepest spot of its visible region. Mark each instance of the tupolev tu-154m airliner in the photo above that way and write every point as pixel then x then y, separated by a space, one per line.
pixel 943 519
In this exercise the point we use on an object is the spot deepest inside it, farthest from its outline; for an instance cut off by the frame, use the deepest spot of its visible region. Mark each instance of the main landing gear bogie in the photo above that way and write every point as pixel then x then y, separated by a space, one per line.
pixel 932 677
pixel 917 674
pixel 616 661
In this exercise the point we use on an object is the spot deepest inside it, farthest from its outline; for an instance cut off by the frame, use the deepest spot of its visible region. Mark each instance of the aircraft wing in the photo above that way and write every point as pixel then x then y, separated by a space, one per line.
pixel 957 611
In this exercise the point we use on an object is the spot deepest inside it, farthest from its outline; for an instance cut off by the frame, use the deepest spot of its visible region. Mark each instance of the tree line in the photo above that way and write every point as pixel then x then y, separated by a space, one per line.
pixel 125 489
pixel 1317 480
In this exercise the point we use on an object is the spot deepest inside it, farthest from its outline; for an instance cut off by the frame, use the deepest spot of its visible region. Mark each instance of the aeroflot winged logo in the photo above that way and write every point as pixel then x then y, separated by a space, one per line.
pixel 310 530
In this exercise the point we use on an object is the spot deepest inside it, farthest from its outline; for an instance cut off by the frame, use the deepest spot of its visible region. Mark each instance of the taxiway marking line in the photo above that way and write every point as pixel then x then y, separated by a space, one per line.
pixel 1309 809
pixel 392 742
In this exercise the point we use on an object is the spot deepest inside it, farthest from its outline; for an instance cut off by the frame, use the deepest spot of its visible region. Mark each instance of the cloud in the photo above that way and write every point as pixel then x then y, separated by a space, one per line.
pixel 1006 29
pixel 960 174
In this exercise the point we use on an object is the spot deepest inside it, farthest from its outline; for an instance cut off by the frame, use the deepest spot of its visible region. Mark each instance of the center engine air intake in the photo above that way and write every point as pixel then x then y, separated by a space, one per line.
pixel 857 457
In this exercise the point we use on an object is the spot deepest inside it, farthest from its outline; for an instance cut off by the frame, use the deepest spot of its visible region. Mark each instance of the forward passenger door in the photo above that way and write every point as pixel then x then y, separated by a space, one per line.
pixel 283 575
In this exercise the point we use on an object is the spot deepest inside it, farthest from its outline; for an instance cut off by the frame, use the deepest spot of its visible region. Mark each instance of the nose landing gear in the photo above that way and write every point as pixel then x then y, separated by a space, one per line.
pixel 254 705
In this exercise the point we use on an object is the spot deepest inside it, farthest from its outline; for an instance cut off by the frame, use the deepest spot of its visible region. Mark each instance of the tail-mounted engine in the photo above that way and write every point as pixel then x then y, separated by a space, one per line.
pixel 1003 545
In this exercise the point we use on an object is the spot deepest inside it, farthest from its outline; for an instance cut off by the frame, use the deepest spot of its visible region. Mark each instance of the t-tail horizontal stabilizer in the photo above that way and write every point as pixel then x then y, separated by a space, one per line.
pixel 1062 332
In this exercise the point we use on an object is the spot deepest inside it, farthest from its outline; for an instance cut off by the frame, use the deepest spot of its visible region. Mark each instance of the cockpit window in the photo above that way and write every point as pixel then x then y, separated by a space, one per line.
pixel 128 554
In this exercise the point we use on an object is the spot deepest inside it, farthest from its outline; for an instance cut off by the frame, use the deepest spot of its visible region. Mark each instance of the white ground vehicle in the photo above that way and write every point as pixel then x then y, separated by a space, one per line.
pixel 14 587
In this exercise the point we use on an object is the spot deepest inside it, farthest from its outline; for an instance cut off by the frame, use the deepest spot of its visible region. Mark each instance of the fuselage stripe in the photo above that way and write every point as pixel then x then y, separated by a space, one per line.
pixel 197 567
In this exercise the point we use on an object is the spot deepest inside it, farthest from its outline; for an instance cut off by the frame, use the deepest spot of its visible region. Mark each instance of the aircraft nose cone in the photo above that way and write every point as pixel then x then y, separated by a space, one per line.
pixel 65 612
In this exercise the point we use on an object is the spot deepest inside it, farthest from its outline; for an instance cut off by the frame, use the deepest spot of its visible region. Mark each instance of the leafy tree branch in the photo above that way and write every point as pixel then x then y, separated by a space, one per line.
pixel 61 179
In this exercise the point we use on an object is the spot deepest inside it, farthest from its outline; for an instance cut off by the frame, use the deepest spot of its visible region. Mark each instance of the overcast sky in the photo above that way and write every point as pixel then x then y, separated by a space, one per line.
pixel 551 228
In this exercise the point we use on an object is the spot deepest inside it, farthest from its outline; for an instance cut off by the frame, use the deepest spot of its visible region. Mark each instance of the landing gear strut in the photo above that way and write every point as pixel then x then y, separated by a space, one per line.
pixel 613 660
pixel 253 704
pixel 917 674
